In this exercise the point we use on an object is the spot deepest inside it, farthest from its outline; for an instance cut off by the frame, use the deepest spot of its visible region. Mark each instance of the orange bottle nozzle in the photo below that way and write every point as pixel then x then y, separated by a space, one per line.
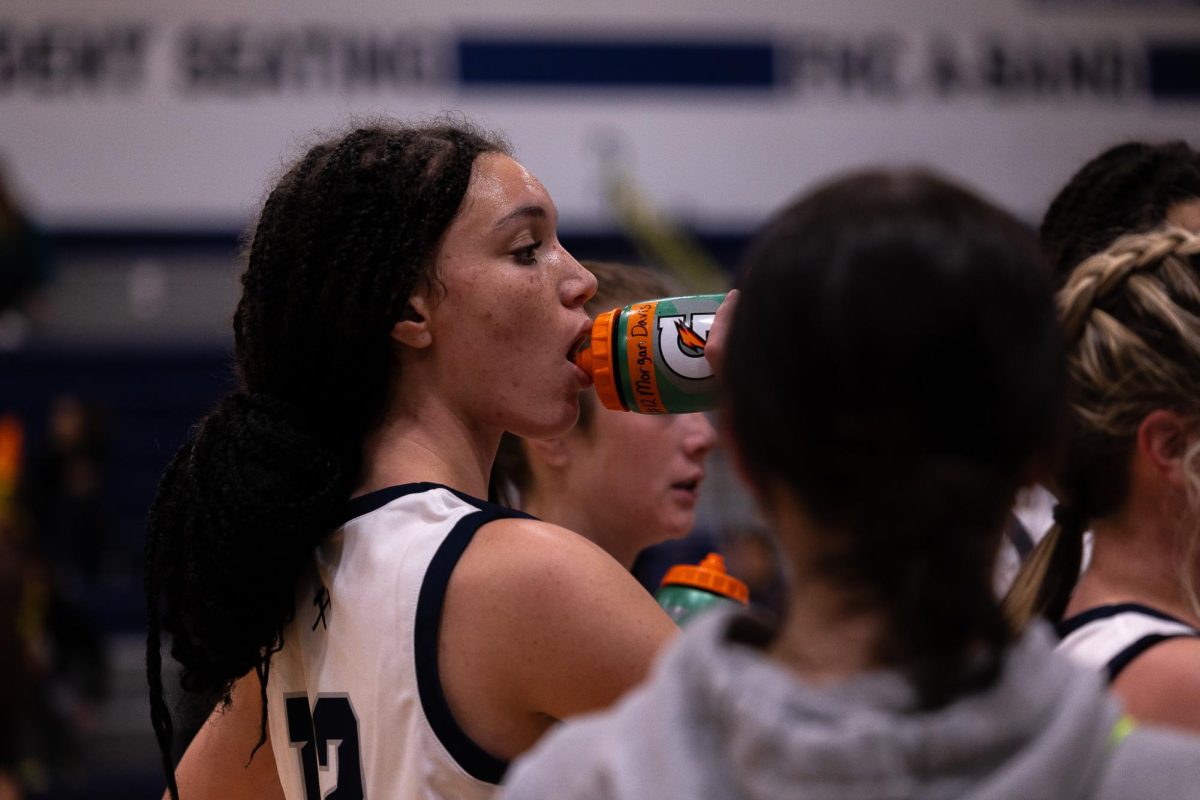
pixel 596 359
pixel 583 358
pixel 709 575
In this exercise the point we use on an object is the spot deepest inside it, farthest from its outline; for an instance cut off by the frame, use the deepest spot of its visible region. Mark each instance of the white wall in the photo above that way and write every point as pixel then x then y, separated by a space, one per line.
pixel 139 143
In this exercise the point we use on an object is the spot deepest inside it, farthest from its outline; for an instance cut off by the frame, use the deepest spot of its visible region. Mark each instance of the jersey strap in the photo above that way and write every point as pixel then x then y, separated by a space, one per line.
pixel 1144 627
pixel 1124 658
pixel 373 501
pixel 477 762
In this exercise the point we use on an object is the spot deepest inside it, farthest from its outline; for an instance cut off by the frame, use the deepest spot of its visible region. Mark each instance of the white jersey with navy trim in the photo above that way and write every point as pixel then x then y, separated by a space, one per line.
pixel 1107 638
pixel 354 699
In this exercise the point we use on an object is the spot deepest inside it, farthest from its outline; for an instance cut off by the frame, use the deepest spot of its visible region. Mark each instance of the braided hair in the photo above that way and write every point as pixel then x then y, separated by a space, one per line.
pixel 1131 316
pixel 919 321
pixel 1128 188
pixel 341 243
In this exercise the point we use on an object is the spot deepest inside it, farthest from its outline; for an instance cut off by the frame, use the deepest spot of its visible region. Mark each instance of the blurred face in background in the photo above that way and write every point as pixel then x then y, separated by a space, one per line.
pixel 1185 215
pixel 637 476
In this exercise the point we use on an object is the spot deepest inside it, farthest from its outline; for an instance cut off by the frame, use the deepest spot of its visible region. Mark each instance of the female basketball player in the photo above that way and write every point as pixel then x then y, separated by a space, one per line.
pixel 1129 188
pixel 1131 475
pixel 319 544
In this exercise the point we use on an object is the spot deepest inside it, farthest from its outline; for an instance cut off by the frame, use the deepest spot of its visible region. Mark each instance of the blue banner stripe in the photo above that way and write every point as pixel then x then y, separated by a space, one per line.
pixel 1174 70
pixel 492 62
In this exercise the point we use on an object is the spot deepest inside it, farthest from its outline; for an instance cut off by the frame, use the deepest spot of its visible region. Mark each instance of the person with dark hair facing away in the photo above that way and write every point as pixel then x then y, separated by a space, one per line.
pixel 624 480
pixel 1131 474
pixel 318 544
pixel 1129 188
pixel 920 321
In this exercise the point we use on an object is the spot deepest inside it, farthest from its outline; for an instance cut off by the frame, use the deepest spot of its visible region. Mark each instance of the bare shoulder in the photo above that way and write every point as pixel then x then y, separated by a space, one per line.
pixel 1162 685
pixel 545 559
pixel 562 618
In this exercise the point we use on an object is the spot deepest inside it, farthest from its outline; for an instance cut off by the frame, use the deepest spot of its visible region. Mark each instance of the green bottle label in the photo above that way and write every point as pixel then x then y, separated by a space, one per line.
pixel 659 354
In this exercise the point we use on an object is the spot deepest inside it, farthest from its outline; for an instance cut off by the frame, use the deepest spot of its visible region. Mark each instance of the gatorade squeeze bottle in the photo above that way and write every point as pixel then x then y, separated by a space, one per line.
pixel 688 589
pixel 649 356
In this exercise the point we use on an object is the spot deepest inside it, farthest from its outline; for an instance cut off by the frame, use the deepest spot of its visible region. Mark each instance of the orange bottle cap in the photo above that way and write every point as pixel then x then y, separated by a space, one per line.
pixel 596 359
pixel 709 575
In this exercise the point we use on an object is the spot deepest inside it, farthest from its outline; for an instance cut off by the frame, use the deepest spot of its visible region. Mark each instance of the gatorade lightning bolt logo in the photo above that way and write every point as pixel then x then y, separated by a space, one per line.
pixel 681 341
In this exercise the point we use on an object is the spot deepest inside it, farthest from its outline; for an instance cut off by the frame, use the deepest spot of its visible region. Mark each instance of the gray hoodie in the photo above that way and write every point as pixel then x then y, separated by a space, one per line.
pixel 719 720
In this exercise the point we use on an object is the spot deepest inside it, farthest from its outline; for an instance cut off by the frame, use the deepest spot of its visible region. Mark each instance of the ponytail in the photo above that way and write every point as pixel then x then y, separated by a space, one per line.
pixel 239 510
pixel 930 575
pixel 160 715
pixel 1044 584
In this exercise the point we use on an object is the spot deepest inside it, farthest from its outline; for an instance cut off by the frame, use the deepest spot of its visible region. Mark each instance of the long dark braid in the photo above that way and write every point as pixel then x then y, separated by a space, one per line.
pixel 341 243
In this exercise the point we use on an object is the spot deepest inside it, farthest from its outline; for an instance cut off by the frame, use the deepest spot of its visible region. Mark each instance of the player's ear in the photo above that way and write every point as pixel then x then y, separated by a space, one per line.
pixel 1162 447
pixel 413 329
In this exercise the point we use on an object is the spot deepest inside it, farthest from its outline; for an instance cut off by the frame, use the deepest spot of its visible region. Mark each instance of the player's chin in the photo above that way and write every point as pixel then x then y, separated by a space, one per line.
pixel 678 524
pixel 554 421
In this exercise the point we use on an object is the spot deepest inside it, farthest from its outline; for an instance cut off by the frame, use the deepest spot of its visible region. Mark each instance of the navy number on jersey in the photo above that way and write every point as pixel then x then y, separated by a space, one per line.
pixel 331 723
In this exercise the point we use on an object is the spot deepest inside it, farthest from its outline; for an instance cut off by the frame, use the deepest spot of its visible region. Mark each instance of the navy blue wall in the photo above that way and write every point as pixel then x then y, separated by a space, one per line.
pixel 149 398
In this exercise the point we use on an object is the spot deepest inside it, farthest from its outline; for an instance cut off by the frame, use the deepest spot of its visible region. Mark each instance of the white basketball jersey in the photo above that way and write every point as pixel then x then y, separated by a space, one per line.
pixel 1108 638
pixel 355 704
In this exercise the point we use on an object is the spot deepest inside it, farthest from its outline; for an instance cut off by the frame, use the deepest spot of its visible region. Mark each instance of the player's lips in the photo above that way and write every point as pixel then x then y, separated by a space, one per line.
pixel 691 484
pixel 585 380
pixel 577 344
pixel 580 341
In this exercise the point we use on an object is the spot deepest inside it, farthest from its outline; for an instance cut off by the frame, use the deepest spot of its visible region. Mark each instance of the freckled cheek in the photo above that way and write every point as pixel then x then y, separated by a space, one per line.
pixel 527 328
pixel 512 342
pixel 497 327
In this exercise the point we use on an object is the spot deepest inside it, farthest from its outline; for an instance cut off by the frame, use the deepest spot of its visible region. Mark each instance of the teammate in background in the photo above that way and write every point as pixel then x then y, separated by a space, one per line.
pixel 626 481
pixel 920 319
pixel 1132 475
pixel 318 543
pixel 1128 188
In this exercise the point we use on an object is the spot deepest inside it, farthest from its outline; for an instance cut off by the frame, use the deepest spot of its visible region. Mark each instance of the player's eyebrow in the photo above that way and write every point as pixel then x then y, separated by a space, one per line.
pixel 529 211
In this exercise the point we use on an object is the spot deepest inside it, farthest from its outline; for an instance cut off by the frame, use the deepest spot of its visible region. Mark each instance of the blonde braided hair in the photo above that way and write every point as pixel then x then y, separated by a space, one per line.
pixel 1131 318
pixel 1104 274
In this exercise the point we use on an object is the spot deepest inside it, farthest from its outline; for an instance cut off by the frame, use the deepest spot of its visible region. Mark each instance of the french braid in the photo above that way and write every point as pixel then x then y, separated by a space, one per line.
pixel 1105 274
pixel 1131 317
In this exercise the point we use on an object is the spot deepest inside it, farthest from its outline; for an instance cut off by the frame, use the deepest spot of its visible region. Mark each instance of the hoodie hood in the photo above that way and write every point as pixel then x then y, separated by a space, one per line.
pixel 718 719
pixel 861 738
